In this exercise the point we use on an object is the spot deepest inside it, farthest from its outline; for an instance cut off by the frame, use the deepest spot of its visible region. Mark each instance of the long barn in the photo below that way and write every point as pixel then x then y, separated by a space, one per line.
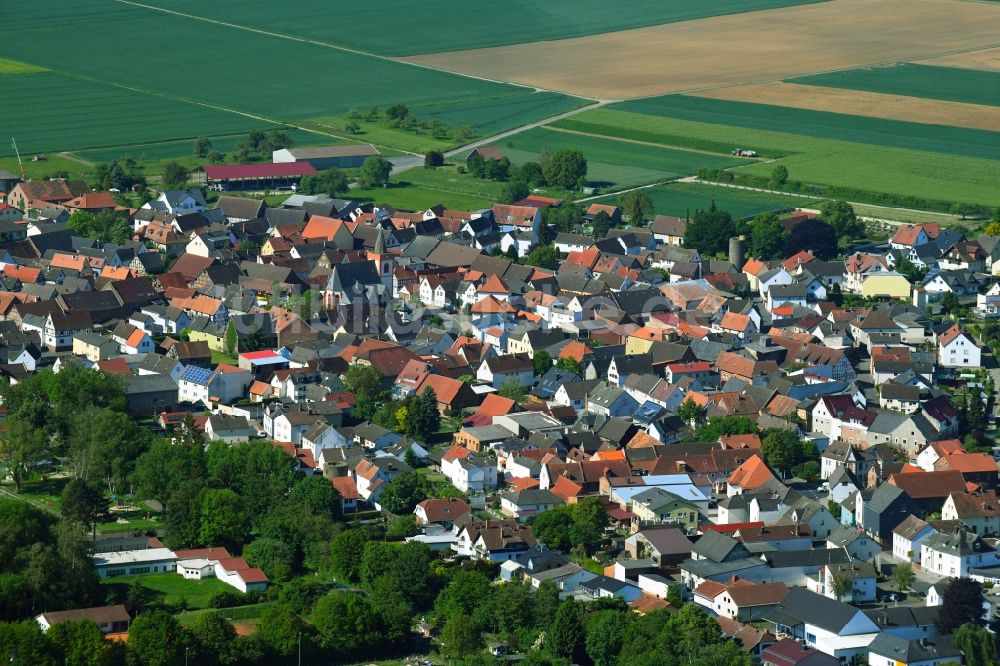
pixel 262 176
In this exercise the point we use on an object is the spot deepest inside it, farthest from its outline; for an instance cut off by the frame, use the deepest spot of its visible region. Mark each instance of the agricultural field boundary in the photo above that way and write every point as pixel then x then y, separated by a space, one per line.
pixel 949 84
pixel 863 103
pixel 329 45
pixel 713 52
pixel 500 24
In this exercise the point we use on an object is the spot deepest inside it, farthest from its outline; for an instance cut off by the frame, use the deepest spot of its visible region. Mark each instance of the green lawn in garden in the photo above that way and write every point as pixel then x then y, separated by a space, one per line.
pixel 171 587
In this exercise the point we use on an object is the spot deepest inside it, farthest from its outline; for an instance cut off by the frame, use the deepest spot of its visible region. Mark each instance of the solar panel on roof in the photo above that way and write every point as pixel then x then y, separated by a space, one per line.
pixel 196 374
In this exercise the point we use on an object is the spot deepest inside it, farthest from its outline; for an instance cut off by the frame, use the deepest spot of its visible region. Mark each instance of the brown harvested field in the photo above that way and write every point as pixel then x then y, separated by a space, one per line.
pixel 740 48
pixel 860 103
pixel 985 59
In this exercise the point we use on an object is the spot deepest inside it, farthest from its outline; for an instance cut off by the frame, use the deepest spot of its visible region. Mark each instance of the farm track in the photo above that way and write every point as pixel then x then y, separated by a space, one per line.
pixel 75 158
pixel 646 143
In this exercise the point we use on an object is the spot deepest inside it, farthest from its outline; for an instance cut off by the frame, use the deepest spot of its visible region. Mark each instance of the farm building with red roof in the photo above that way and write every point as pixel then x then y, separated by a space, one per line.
pixel 261 176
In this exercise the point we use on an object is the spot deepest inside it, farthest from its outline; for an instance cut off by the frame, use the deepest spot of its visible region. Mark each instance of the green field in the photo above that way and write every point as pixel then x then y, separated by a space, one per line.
pixel 57 112
pixel 381 134
pixel 612 163
pixel 448 179
pixel 183 151
pixel 52 165
pixel 414 197
pixel 16 67
pixel 822 125
pixel 820 161
pixel 946 83
pixel 682 199
pixel 408 27
pixel 272 78
pixel 171 587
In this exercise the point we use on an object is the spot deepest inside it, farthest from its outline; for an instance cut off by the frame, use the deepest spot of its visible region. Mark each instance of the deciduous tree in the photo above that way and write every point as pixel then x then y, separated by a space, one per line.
pixel 840 215
pixel 767 237
pixel 636 206
pixel 512 388
pixel 156 638
pixel 566 168
pixel 461 636
pixel 977 645
pixel 709 231
pixel 402 494
pixel 175 174
pixel 202 146
pixel 433 158
pixel 902 576
pixel 374 172
pixel 345 623
pixel 83 502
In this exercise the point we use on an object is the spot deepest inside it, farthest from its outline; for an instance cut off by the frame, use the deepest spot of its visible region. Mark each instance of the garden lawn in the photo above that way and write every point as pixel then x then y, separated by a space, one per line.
pixel 612 163
pixel 816 160
pixel 945 83
pixel 47 491
pixel 395 27
pixel 135 520
pixel 683 199
pixel 172 587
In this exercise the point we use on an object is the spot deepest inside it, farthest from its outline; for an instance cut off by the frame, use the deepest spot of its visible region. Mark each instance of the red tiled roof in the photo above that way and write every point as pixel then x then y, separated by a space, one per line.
pixel 346 487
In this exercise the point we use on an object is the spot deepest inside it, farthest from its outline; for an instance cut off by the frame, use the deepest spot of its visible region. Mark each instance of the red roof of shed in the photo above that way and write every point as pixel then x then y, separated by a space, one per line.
pixel 261 170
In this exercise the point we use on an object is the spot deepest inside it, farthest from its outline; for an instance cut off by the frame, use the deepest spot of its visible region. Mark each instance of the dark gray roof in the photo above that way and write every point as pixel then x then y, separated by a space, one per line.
pixel 149 384
pixel 903 616
pixel 883 497
pixel 802 606
pixel 903 651
pixel 708 568
pixel 806 558
pixel 716 546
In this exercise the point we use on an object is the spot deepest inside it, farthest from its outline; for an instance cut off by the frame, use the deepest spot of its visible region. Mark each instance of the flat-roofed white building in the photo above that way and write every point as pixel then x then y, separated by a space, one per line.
pixel 132 562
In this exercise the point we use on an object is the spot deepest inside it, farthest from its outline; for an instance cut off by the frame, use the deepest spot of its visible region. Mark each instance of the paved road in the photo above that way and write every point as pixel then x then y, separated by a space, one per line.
pixel 517 130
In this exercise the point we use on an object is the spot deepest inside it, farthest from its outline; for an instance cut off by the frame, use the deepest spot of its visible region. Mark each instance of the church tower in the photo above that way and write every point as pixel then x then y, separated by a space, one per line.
pixel 383 260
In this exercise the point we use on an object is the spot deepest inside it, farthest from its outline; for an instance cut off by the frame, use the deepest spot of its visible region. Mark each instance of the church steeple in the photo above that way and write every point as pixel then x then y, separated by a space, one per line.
pixel 380 242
